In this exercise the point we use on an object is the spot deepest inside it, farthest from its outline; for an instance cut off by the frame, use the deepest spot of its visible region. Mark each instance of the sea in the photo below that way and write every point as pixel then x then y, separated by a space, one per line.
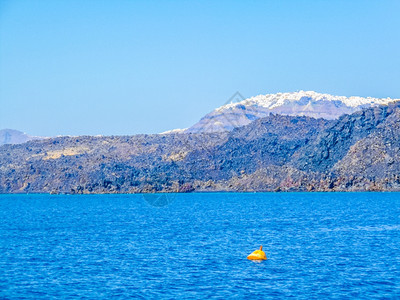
pixel 195 246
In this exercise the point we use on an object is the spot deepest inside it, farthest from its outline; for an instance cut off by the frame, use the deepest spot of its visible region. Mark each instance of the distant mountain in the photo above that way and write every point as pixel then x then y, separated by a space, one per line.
pixel 11 136
pixel 356 152
pixel 302 103
pixel 178 130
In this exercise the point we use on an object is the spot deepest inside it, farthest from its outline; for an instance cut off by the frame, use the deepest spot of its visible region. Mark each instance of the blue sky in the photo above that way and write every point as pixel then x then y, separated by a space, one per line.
pixel 127 67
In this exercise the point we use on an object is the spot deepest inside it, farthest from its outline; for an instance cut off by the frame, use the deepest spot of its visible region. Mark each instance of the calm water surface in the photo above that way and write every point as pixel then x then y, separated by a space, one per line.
pixel 333 245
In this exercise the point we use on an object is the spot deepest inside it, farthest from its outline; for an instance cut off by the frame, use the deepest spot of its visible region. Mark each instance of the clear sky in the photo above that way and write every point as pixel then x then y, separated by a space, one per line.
pixel 124 67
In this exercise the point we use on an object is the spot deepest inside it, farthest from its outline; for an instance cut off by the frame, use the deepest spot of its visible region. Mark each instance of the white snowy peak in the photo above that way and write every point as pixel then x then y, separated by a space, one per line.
pixel 272 101
pixel 301 103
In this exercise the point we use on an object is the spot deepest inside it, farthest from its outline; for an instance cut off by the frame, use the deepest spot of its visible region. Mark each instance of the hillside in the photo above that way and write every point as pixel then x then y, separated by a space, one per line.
pixel 301 103
pixel 360 151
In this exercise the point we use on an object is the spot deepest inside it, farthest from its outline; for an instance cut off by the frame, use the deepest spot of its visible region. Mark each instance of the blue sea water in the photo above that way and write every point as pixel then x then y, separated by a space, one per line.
pixel 319 245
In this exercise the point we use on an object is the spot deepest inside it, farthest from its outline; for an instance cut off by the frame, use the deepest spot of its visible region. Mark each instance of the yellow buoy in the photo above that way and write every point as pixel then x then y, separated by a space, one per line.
pixel 257 255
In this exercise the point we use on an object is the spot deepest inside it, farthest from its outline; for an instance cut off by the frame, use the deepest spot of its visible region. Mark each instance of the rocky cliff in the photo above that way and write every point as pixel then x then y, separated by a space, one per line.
pixel 356 152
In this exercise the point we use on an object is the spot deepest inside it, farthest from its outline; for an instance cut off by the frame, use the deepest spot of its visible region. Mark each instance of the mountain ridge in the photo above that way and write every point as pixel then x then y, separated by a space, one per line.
pixel 301 103
pixel 356 152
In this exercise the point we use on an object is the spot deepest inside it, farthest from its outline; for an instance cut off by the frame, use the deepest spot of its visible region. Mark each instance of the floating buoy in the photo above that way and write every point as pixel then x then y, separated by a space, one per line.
pixel 257 255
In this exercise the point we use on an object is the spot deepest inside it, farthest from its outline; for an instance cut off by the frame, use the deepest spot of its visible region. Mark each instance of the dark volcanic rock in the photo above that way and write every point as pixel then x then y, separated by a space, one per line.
pixel 332 144
pixel 276 153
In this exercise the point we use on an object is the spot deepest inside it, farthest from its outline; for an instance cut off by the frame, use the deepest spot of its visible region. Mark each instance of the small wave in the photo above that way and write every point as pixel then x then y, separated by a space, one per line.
pixel 364 228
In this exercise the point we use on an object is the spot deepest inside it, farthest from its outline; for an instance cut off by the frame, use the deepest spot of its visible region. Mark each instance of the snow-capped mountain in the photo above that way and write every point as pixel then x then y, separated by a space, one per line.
pixel 301 103
pixel 178 130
